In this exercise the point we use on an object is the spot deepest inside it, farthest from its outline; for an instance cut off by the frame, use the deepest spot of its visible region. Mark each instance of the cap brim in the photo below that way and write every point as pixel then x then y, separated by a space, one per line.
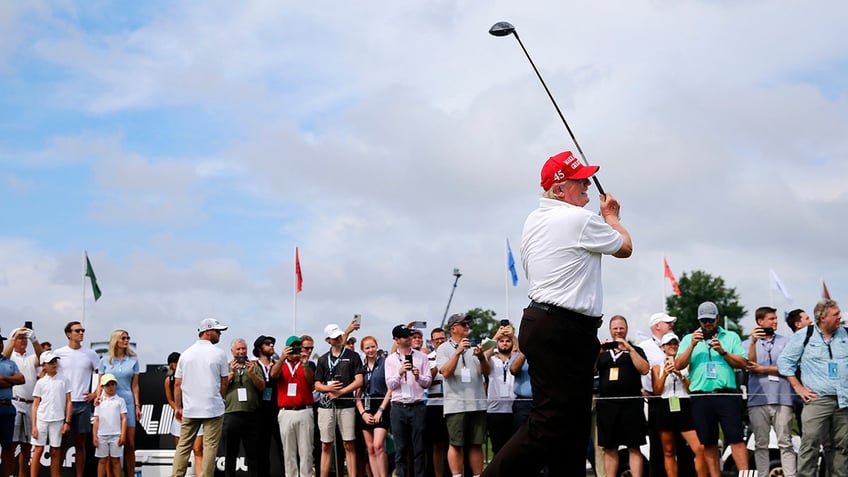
pixel 334 335
pixel 585 172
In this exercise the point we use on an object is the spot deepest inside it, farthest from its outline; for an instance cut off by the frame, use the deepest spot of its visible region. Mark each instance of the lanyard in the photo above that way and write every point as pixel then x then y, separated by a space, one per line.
pixel 332 363
pixel 768 346
pixel 456 346
pixel 266 371
pixel 292 369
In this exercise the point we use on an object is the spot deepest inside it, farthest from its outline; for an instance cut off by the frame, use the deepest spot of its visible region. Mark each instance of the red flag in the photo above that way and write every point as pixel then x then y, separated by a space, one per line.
pixel 825 293
pixel 670 276
pixel 297 273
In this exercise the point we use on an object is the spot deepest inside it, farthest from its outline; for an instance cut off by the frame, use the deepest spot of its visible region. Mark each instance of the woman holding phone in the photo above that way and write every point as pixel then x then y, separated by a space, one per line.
pixel 675 411
pixel 372 403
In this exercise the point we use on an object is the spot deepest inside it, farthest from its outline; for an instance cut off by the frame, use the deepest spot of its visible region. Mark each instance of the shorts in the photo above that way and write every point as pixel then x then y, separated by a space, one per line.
pixel 678 421
pixel 107 446
pixel 621 422
pixel 48 433
pixel 385 417
pixel 710 410
pixel 80 417
pixel 344 418
pixel 7 423
pixel 466 428
pixel 23 428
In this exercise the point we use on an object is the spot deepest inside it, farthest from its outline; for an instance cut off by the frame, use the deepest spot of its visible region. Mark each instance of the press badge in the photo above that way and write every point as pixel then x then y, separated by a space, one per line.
pixel 505 391
pixel 266 394
pixel 773 378
pixel 465 375
pixel 613 374
pixel 242 394
pixel 832 370
pixel 406 389
pixel 291 389
pixel 711 371
pixel 367 404
pixel 674 404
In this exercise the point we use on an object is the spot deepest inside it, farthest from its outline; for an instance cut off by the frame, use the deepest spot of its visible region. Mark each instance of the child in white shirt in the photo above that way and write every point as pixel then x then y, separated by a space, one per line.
pixel 51 414
pixel 109 428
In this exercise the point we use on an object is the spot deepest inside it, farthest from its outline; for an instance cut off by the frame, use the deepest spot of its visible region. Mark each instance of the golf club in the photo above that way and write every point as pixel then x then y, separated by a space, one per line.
pixel 506 29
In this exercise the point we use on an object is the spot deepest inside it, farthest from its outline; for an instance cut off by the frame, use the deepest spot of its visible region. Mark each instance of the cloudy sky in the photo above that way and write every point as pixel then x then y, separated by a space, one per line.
pixel 190 146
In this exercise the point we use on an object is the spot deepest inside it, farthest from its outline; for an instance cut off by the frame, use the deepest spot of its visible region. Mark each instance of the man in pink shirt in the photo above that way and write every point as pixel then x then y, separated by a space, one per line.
pixel 408 377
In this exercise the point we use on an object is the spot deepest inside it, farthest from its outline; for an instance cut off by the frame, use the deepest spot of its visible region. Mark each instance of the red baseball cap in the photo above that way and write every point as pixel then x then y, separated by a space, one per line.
pixel 565 166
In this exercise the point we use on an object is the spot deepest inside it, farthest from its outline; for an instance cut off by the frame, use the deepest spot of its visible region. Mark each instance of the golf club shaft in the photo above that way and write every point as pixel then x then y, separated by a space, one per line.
pixel 561 116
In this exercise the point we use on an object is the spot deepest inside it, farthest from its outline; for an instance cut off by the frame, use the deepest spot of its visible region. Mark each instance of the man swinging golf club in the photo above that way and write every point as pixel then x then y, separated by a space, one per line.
pixel 561 250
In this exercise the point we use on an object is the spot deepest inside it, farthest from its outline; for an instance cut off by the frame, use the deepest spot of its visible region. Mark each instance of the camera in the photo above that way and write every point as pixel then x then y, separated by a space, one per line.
pixel 768 331
pixel 241 359
pixel 708 335
pixel 296 350
pixel 609 345
pixel 504 322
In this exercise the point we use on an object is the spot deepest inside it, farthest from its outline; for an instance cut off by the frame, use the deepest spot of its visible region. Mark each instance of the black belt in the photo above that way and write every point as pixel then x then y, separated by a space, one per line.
pixel 28 401
pixel 5 401
pixel 410 404
pixel 558 310
pixel 294 408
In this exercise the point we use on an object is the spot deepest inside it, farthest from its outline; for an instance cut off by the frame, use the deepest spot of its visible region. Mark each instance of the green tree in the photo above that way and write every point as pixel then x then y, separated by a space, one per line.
pixel 483 324
pixel 696 288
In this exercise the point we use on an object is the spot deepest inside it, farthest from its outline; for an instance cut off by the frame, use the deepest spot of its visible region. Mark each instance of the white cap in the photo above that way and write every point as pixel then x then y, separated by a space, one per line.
pixel 332 331
pixel 668 337
pixel 48 356
pixel 658 317
pixel 210 324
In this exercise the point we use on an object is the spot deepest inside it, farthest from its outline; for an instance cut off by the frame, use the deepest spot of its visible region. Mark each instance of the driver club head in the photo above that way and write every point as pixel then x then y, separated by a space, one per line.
pixel 502 29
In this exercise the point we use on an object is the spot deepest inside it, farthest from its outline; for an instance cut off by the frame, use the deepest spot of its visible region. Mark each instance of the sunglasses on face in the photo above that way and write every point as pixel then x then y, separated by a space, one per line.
pixel 707 320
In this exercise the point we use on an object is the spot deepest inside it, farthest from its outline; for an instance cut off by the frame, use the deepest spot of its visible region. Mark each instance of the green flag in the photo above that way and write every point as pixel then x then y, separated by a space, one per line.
pixel 89 272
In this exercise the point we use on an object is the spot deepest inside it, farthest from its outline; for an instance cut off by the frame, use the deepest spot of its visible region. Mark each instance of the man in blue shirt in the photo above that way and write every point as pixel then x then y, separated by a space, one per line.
pixel 769 394
pixel 10 376
pixel 823 359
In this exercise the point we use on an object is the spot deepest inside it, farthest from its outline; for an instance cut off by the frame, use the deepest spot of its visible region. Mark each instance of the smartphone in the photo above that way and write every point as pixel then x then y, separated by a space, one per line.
pixel 28 325
pixel 609 345
pixel 241 359
pixel 504 322
pixel 420 325
pixel 408 358
pixel 357 319
pixel 669 360
pixel 769 331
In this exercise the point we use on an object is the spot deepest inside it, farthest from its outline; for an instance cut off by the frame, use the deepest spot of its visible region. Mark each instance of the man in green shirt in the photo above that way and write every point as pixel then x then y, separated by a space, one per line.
pixel 245 385
pixel 711 353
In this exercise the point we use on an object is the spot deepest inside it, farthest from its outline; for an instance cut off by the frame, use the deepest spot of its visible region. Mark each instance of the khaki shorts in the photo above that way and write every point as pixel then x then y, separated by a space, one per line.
pixel 344 418
pixel 466 428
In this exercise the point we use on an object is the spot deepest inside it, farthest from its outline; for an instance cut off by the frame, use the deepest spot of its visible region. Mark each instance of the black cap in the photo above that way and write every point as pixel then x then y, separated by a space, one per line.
pixel 258 343
pixel 400 331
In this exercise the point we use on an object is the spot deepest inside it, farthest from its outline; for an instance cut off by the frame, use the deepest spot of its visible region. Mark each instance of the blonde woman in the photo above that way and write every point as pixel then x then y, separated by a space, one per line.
pixel 123 364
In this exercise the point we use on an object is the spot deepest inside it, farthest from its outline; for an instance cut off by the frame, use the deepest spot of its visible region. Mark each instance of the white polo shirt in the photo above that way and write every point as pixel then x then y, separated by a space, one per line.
pixel 561 249
pixel 201 368
pixel 28 366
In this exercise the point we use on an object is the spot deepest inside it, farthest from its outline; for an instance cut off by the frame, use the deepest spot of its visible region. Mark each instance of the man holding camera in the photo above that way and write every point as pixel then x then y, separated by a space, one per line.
pixel 620 414
pixel 245 385
pixel 711 352
pixel 295 376
pixel 463 366
pixel 769 394
pixel 408 377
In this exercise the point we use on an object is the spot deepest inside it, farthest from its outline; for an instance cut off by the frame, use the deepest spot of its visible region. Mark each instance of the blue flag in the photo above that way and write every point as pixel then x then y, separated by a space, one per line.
pixel 511 264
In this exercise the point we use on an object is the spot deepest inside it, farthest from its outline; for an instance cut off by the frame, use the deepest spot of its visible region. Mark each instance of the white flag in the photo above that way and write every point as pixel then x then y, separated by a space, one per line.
pixel 779 286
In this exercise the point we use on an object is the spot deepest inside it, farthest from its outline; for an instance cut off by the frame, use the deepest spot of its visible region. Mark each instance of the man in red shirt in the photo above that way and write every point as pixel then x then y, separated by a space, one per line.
pixel 295 378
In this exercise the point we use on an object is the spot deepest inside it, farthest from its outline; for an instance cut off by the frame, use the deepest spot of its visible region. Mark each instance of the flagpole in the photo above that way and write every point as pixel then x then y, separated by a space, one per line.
pixel 294 294
pixel 664 279
pixel 84 258
pixel 506 280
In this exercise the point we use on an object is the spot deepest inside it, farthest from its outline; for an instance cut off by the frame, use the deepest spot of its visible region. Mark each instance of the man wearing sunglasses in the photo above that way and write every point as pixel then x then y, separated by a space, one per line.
pixel 712 353
pixel 76 365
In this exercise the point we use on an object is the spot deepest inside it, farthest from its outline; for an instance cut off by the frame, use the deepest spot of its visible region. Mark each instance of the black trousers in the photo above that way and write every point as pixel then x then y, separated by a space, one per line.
pixel 561 349
pixel 240 428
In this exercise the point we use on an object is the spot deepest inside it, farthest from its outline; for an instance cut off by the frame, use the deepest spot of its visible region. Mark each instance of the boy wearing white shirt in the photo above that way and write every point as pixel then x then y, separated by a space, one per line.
pixel 51 414
pixel 109 428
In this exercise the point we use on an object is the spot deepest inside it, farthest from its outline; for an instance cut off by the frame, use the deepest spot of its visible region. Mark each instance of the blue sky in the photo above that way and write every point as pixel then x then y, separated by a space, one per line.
pixel 190 146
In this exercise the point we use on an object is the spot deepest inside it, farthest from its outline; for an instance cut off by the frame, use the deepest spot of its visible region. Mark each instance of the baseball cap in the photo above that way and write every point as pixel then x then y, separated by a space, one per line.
pixel 707 309
pixel 456 318
pixel 292 340
pixel 669 337
pixel 210 324
pixel 401 331
pixel 332 331
pixel 565 166
pixel 107 378
pixel 658 317
pixel 415 331
pixel 48 356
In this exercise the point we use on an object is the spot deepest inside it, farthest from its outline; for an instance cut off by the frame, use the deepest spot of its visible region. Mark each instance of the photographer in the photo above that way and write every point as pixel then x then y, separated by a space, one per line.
pixel 711 353
pixel 245 384
pixel 295 377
